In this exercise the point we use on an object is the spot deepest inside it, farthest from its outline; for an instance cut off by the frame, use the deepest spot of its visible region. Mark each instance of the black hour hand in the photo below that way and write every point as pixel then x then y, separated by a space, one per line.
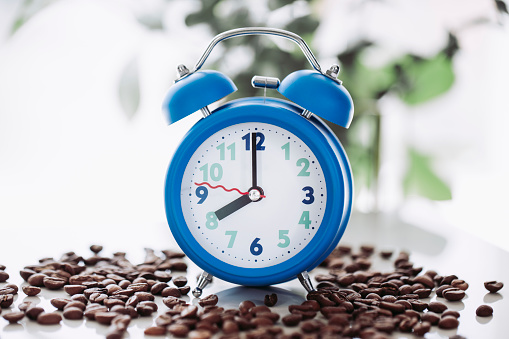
pixel 234 206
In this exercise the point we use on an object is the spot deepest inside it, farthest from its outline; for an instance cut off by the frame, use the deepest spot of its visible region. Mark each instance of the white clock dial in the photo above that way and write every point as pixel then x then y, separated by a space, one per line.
pixel 246 223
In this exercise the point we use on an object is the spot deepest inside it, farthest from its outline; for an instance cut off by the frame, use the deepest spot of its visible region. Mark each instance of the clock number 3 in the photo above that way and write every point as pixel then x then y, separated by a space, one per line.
pixel 309 195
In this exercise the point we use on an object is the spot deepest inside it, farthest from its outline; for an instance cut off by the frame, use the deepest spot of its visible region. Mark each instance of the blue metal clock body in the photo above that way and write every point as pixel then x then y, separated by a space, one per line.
pixel 259 191
pixel 329 153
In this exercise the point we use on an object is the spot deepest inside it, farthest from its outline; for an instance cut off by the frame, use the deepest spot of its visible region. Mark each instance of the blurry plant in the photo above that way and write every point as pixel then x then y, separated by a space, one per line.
pixel 414 79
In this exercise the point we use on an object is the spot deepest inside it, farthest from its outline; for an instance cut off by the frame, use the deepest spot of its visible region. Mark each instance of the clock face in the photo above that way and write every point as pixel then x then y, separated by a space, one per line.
pixel 253 195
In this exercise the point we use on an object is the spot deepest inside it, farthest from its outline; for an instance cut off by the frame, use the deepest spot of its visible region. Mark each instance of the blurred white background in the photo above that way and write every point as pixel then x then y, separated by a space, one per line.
pixel 70 156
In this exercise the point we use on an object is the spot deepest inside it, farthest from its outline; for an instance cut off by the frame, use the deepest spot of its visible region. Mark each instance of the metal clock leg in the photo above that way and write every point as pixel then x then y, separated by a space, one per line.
pixel 204 279
pixel 306 281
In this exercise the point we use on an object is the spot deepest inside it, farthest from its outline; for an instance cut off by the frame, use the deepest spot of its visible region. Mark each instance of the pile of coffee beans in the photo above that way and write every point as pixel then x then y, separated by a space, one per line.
pixel 352 298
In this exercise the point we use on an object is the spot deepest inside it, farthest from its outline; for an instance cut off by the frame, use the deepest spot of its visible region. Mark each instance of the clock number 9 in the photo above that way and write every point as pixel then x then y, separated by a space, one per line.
pixel 211 222
pixel 202 192
pixel 256 248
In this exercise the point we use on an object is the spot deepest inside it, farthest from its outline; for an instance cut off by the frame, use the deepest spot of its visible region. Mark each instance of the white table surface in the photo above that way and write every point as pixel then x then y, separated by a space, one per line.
pixel 436 246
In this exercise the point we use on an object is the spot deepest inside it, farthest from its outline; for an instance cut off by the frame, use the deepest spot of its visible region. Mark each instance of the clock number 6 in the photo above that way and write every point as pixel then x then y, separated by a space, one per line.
pixel 309 195
pixel 256 248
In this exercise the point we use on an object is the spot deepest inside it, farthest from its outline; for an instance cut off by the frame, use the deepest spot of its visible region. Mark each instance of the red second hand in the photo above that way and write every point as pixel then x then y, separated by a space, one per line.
pixel 221 186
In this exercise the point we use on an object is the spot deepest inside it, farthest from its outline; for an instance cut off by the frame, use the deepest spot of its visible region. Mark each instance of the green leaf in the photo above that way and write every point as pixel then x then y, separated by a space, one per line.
pixel 425 79
pixel 421 180
pixel 129 88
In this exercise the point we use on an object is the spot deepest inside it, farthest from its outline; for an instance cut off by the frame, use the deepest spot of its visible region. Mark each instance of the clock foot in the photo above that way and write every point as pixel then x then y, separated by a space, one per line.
pixel 204 279
pixel 306 281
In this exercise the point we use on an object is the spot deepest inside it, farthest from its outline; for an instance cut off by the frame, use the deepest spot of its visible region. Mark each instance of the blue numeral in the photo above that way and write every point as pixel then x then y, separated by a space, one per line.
pixel 259 143
pixel 256 248
pixel 202 193
pixel 309 195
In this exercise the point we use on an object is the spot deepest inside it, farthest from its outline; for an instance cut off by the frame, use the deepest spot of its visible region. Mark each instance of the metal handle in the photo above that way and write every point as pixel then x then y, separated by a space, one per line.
pixel 259 31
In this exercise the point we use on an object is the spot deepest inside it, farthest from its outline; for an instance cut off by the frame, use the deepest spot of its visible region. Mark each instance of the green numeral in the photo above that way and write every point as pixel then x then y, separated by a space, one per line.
pixel 222 151
pixel 211 222
pixel 216 172
pixel 286 148
pixel 283 235
pixel 304 219
pixel 304 171
pixel 233 235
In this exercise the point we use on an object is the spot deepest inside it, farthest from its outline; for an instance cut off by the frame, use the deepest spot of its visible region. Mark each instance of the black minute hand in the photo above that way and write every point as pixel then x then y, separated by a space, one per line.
pixel 234 206
pixel 253 160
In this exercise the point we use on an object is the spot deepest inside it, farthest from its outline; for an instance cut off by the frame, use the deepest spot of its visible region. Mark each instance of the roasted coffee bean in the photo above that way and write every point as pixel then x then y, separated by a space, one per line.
pixel 144 311
pixel 451 313
pixel 448 323
pixel 36 279
pixel 33 312
pixel 407 324
pixel 9 289
pixel 54 283
pixel 96 248
pixel 437 307
pixel 484 311
pixel 74 289
pixel 430 317
pixel 461 284
pixel 386 254
pixel 4 276
pixel 14 317
pixel 52 318
pixel 180 281
pixel 418 305
pixel 208 300
pixel 246 306
pixel 90 312
pixel 139 287
pixel 158 287
pixel 178 330
pixel 454 294
pixel 441 289
pixel 155 330
pixel 425 280
pixel 184 290
pixel 423 292
pixel 310 326
pixel 270 299
pixel 199 334
pixel 421 329
pixel 346 280
pixel 31 290
pixel 393 307
pixel 171 302
pixel 80 297
pixel 171 292
pixel 493 286
pixel 73 313
pixel 261 322
pixel 229 327
pixel 292 319
pixel 105 318
pixel 6 300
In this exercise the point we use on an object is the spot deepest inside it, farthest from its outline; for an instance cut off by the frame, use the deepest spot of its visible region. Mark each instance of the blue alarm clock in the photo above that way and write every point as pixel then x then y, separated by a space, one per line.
pixel 259 191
